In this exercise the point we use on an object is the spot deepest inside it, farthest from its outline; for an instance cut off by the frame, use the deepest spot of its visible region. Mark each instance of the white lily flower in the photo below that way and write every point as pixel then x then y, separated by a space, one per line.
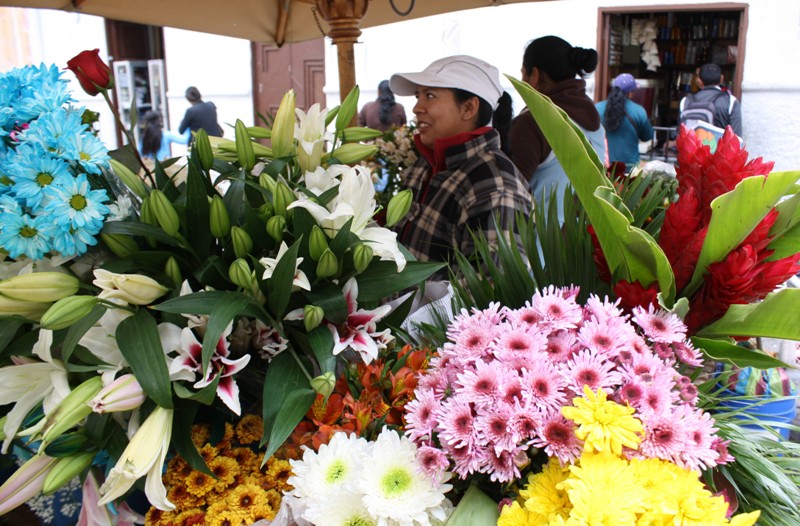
pixel 29 383
pixel 300 279
pixel 129 288
pixel 359 332
pixel 101 339
pixel 144 455
pixel 321 180
pixel 384 245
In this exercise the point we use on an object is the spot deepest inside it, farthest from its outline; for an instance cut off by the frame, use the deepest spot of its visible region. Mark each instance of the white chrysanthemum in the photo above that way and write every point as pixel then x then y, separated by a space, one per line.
pixel 334 469
pixel 347 510
pixel 396 492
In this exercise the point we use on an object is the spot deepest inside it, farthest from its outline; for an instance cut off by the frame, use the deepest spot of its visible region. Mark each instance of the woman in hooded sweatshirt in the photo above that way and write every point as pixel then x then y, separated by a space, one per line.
pixel 555 68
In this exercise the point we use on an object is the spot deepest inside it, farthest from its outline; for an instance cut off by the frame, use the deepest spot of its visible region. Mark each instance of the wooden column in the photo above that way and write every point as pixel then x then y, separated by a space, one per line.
pixel 344 17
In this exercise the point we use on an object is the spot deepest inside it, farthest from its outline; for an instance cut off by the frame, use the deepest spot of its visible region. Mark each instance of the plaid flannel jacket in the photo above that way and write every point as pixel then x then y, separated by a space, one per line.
pixel 479 181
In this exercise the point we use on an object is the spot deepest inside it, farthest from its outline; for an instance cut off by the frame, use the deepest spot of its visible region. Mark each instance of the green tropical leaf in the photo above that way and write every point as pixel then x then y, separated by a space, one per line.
pixel 774 317
pixel 279 286
pixel 182 421
pixel 381 279
pixel 287 397
pixel 785 232
pixel 139 342
pixel 631 253
pixel 725 351
pixel 735 214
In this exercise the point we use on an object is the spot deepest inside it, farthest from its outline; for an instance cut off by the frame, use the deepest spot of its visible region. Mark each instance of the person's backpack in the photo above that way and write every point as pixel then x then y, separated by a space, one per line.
pixel 695 111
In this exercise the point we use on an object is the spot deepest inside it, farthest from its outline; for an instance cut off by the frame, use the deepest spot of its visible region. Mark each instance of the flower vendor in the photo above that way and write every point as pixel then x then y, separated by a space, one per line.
pixel 463 178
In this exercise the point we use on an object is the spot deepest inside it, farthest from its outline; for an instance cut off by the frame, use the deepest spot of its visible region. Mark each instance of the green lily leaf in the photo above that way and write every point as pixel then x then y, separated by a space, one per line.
pixel 329 298
pixel 318 343
pixel 475 509
pixel 381 279
pixel 287 397
pixel 182 421
pixel 206 301
pixel 205 396
pixel 735 214
pixel 197 213
pixel 280 284
pixel 139 229
pixel 632 254
pixel 786 230
pixel 78 329
pixel 8 330
pixel 725 351
pixel 139 343
pixel 774 317
pixel 234 197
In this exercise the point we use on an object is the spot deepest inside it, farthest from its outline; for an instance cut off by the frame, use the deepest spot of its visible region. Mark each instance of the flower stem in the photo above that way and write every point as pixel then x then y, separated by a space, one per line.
pixel 129 136
pixel 297 359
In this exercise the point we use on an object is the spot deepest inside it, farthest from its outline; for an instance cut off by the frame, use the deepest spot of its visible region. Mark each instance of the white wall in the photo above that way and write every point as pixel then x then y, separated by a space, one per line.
pixel 771 78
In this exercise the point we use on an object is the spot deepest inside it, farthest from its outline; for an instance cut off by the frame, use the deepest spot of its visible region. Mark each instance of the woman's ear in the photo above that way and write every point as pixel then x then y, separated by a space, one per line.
pixel 469 108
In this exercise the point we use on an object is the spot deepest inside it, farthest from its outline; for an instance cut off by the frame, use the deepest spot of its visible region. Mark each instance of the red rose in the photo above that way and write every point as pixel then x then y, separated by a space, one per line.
pixel 93 74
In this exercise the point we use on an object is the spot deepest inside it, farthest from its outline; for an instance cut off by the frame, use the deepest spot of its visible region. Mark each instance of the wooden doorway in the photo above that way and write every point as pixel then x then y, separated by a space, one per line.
pixel 687 36
pixel 300 66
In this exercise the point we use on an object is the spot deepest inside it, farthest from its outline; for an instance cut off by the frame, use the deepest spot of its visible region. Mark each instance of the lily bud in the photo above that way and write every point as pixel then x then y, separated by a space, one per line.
pixel 120 244
pixel 220 220
pixel 31 310
pixel 165 213
pixel 352 152
pixel 65 470
pixel 240 273
pixel 359 133
pixel 146 213
pixel 72 409
pixel 130 288
pixel 266 181
pixel 324 384
pixel 362 257
pixel 242 242
pixel 244 147
pixel 40 286
pixel 283 127
pixel 275 226
pixel 128 178
pixel 327 265
pixel 317 242
pixel 203 148
pixel 67 311
pixel 265 211
pixel 66 445
pixel 259 132
pixel 173 270
pixel 25 483
pixel 123 394
pixel 398 207
pixel 283 197
pixel 347 109
pixel 312 317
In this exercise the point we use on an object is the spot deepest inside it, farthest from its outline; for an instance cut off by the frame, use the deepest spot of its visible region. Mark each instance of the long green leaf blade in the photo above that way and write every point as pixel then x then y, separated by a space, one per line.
pixel 139 343
pixel 773 317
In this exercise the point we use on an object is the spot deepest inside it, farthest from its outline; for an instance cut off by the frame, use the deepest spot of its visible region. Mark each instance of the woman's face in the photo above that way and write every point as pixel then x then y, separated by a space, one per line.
pixel 439 115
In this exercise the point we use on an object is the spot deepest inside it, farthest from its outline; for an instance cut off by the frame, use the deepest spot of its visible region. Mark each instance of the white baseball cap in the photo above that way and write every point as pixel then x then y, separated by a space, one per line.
pixel 459 71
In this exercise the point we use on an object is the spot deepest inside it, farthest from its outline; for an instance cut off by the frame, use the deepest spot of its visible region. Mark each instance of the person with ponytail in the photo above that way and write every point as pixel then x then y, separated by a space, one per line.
pixel 383 113
pixel 462 180
pixel 625 122
pixel 155 141
pixel 557 69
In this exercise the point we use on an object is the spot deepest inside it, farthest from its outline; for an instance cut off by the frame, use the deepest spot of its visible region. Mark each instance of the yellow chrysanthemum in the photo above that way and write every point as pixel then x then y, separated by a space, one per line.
pixel 745 519
pixel 157 517
pixel 544 497
pixel 273 498
pixel 514 515
pixel 259 513
pixel 279 472
pixel 603 425
pixel 200 434
pixel 224 518
pixel 177 471
pixel 250 429
pixel 199 484
pixel 209 453
pixel 225 470
pixel 182 498
pixel 192 516
pixel 245 497
pixel 244 457
pixel 227 438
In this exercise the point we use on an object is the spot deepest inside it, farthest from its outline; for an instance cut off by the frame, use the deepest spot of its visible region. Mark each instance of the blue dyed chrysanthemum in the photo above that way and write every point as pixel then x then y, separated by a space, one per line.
pixel 32 170
pixel 75 204
pixel 88 151
pixel 23 235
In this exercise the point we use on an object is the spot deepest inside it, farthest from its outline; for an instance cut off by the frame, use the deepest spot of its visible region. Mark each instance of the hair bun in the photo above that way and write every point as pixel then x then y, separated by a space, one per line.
pixel 583 60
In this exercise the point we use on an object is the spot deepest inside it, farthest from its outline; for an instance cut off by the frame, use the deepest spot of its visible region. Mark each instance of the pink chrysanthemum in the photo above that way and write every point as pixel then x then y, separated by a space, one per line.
pixel 501 466
pixel 664 438
pixel 631 392
pixel 543 387
pixel 698 452
pixel 556 311
pixel 592 369
pixel 421 414
pixel 433 462
pixel 437 378
pixel 601 309
pixel 660 325
pixel 480 384
pixel 515 344
pixel 557 436
pixel 472 342
pixel 525 422
pixel 510 390
pixel 466 459
pixel 656 399
pixel 456 421
pixel 489 317
pixel 687 354
pixel 606 337
pixel 560 346
pixel 526 317
pixel 492 426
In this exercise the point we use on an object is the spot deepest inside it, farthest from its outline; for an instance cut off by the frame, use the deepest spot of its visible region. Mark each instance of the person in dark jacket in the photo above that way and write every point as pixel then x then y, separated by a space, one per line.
pixel 384 112
pixel 551 65
pixel 201 114
pixel 727 110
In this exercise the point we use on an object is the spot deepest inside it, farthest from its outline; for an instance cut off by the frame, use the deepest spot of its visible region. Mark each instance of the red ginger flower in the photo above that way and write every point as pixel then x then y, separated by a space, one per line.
pixel 635 295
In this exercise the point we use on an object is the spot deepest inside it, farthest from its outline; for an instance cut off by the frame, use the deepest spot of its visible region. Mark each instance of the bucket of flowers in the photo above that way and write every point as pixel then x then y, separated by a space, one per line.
pixel 131 309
